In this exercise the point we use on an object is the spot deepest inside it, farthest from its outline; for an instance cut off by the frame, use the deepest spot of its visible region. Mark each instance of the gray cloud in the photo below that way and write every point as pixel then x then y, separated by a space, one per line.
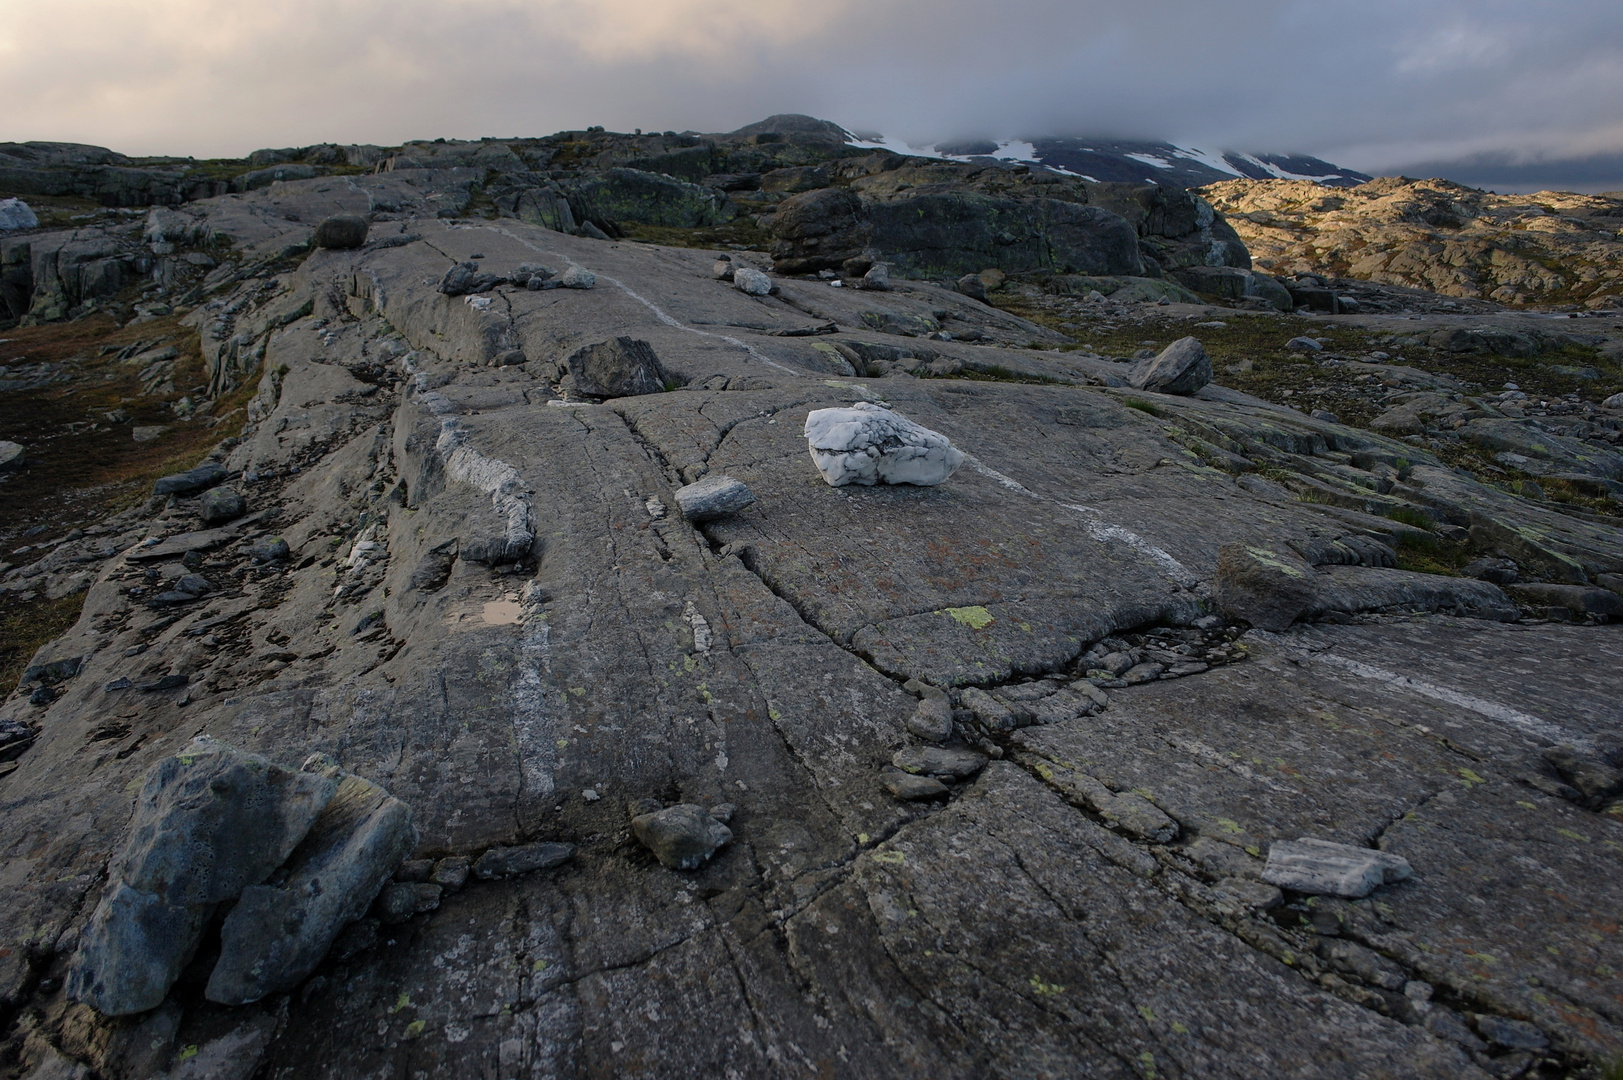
pixel 1376 86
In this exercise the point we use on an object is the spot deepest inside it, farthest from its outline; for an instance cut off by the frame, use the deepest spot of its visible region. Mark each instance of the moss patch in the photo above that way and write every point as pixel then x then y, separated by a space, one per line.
pixel 82 464
pixel 26 625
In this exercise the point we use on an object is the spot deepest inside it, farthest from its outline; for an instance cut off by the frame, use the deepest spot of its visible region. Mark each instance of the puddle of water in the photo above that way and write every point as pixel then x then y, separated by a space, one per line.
pixel 502 612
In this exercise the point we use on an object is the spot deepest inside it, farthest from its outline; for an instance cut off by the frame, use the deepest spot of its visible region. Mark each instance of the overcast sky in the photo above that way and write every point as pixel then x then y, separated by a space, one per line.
pixel 1378 85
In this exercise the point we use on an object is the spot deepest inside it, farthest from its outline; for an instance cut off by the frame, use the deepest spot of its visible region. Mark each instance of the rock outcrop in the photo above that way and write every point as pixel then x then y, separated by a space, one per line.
pixel 1552 247
pixel 967 778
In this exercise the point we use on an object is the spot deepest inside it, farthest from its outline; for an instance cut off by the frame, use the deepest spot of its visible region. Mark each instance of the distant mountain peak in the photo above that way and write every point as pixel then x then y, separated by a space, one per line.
pixel 1129 161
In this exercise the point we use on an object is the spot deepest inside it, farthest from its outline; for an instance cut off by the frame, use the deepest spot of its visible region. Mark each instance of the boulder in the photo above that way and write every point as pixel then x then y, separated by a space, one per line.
pixel 747 279
pixel 865 444
pixel 221 504
pixel 817 230
pixel 682 837
pixel 277 934
pixel 269 550
pixel 877 278
pixel 619 367
pixel 1181 368
pixel 11 456
pixel 577 277
pixel 209 822
pixel 972 286
pixel 1322 868
pixel 192 480
pixel 713 497
pixel 16 214
pixel 341 231
pixel 1266 587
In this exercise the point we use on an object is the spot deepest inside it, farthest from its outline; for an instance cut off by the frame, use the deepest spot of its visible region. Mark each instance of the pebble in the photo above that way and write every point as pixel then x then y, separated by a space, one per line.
pixel 1303 344
pixel 1148 671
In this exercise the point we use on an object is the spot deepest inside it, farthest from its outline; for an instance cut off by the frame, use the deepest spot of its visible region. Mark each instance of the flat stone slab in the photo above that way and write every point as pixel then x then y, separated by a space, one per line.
pixel 1324 868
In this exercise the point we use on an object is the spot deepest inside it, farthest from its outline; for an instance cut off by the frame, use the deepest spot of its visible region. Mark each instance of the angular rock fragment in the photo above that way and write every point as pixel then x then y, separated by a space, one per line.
pixel 277 934
pixel 11 456
pixel 192 480
pixel 1181 368
pixel 450 872
pixel 500 862
pixel 219 505
pixel 713 497
pixel 990 713
pixel 208 823
pixel 939 761
pixel 682 837
pixel 1266 587
pixel 1323 868
pixel 466 279
pixel 865 444
pixel 578 277
pixel 619 367
pixel 909 788
pixel 400 900
pixel 932 718
pixel 341 231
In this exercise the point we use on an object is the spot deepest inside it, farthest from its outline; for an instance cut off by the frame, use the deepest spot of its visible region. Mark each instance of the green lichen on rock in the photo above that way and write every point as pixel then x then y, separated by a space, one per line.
pixel 974 617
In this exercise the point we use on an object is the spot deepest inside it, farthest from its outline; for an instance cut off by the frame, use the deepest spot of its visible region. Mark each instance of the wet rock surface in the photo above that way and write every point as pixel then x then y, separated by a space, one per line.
pixel 999 761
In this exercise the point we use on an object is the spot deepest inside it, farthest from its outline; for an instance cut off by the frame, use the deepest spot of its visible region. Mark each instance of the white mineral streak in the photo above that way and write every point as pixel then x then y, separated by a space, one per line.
pixel 492 476
pixel 865 444
pixel 532 721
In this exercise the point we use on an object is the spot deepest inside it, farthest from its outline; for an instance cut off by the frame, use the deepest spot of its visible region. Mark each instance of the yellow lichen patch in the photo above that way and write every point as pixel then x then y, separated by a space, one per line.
pixel 1046 989
pixel 975 617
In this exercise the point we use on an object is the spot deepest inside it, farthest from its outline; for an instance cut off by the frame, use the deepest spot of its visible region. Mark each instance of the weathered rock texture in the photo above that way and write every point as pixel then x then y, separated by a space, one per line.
pixel 483 602
pixel 1432 234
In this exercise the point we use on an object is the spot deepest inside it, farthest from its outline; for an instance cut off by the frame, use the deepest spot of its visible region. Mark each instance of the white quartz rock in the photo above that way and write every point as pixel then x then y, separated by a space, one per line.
pixel 865 444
